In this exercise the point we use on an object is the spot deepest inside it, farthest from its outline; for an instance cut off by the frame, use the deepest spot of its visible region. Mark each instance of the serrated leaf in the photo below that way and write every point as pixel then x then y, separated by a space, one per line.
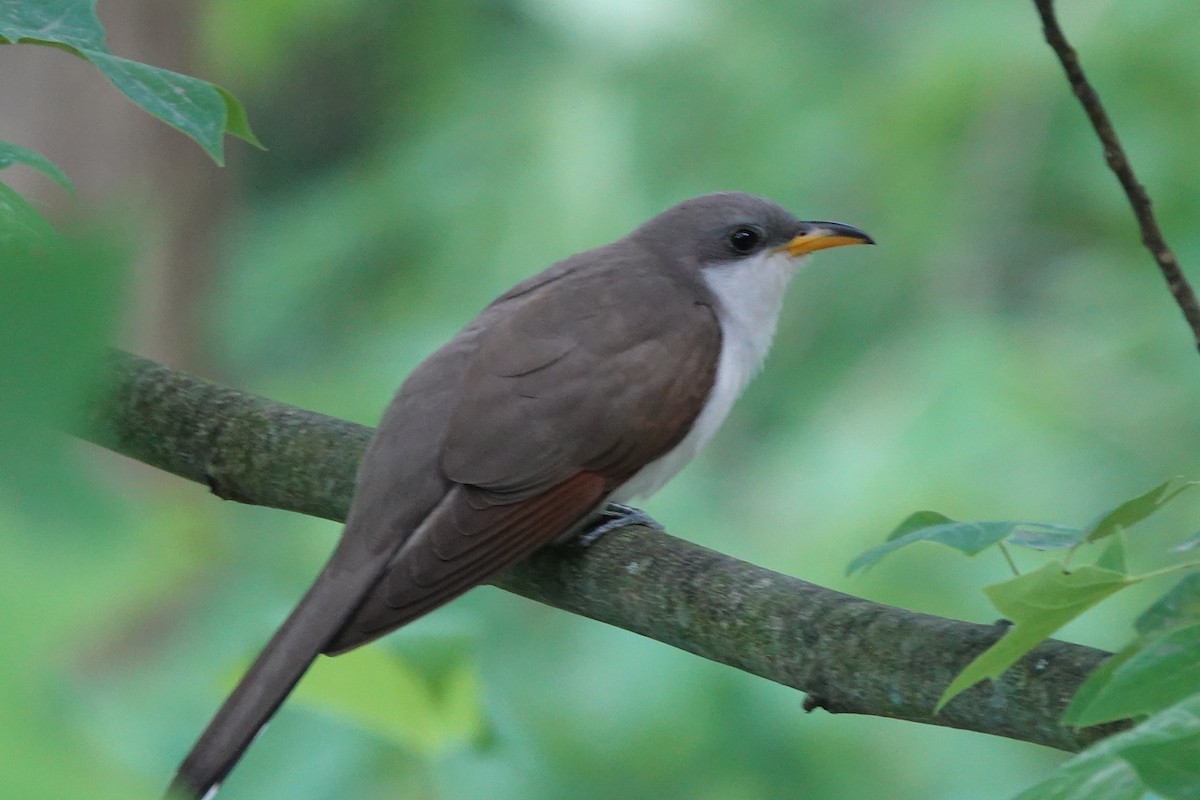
pixel 1180 606
pixel 15 154
pixel 1162 671
pixel 969 538
pixel 1038 603
pixel 1133 511
pixel 203 111
pixel 382 693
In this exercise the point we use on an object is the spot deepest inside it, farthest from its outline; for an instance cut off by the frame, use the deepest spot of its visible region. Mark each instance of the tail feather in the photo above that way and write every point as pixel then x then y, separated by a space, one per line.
pixel 314 621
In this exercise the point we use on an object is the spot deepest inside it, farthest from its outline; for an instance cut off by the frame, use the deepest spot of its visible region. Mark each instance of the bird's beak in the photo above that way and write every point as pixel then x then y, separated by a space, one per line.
pixel 821 235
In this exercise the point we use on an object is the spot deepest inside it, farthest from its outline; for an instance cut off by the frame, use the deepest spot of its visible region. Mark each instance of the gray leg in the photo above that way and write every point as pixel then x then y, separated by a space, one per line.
pixel 616 515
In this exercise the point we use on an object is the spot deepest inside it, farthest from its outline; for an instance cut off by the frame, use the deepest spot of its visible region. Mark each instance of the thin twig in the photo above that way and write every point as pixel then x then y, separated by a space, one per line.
pixel 1118 162
pixel 1008 557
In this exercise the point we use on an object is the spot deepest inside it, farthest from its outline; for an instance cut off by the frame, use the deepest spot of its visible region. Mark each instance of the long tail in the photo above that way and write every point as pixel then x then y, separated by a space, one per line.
pixel 319 615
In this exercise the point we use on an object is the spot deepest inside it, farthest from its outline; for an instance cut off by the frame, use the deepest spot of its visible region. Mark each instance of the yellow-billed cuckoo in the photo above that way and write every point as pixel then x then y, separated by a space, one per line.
pixel 591 383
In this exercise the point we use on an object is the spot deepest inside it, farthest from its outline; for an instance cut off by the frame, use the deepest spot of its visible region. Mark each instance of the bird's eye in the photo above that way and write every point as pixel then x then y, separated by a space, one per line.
pixel 744 239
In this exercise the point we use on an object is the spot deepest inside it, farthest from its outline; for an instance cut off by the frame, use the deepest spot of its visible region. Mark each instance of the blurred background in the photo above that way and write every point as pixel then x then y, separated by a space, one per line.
pixel 1008 351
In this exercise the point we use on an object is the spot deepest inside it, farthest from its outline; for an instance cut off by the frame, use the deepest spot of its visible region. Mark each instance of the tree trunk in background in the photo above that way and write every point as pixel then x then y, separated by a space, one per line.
pixel 148 179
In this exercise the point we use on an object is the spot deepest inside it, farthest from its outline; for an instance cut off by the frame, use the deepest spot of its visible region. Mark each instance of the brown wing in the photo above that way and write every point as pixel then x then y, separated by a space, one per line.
pixel 582 383
pixel 592 374
pixel 434 567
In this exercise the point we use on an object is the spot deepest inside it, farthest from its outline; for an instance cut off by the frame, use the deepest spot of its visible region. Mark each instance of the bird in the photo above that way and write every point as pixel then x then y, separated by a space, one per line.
pixel 582 388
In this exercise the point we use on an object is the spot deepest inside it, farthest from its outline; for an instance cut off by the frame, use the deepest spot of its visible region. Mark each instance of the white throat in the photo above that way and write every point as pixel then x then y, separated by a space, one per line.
pixel 749 296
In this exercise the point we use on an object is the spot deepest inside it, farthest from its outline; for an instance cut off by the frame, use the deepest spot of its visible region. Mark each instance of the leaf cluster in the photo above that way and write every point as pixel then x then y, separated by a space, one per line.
pixel 1155 680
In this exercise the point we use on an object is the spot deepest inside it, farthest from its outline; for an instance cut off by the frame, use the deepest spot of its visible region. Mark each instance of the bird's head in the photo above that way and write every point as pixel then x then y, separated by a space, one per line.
pixel 730 227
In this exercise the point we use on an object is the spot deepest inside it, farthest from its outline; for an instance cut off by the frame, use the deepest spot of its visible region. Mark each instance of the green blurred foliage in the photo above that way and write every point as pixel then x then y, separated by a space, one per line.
pixel 1007 352
pixel 60 551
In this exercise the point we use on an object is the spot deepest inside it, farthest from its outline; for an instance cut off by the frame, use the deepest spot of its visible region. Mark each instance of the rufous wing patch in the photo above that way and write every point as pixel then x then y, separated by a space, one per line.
pixel 463 547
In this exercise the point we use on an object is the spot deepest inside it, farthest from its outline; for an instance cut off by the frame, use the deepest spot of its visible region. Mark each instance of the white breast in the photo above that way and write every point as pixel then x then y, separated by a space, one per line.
pixel 749 297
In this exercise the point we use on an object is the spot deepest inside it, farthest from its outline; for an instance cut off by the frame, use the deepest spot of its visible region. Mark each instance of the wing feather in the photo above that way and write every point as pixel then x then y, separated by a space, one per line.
pixel 434 568
pixel 577 385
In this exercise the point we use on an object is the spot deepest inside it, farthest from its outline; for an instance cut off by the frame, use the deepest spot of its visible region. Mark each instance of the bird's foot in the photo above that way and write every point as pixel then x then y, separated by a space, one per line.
pixel 616 515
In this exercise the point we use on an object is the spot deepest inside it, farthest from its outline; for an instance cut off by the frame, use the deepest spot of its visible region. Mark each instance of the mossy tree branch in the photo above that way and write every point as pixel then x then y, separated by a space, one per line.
pixel 850 655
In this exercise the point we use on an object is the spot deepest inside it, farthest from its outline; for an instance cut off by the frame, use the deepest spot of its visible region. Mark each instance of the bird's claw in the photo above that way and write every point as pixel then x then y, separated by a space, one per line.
pixel 616 515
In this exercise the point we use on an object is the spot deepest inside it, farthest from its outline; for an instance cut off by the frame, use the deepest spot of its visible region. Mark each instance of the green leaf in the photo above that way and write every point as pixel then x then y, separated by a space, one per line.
pixel 1102 771
pixel 1047 537
pixel 1094 685
pixel 1038 603
pixel 1163 671
pixel 1089 777
pixel 201 110
pixel 69 22
pixel 14 154
pixel 1050 596
pixel 237 123
pixel 61 298
pixel 188 104
pixel 1133 511
pixel 1178 607
pixel 1113 556
pixel 1171 769
pixel 969 538
pixel 20 225
pixel 917 521
pixel 384 694
pixel 1189 543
